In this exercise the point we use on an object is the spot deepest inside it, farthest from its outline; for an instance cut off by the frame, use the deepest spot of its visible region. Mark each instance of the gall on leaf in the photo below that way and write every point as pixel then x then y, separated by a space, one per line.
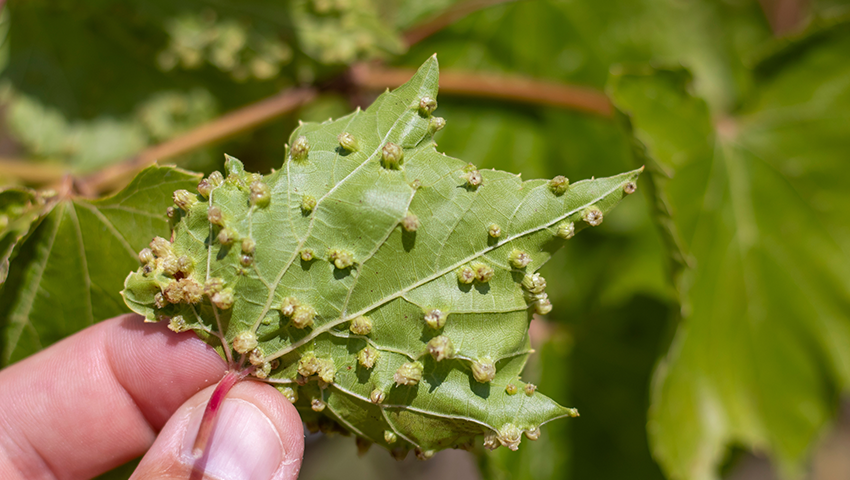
pixel 344 309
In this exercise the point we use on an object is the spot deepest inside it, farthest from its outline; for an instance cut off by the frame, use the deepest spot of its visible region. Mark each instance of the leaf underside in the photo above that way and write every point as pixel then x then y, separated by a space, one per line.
pixel 408 231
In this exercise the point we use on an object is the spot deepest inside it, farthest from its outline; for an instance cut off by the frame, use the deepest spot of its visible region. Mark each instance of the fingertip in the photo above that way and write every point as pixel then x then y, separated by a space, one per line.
pixel 258 434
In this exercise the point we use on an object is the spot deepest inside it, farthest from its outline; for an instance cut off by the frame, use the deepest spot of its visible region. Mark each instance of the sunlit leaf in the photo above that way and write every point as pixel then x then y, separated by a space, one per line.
pixel 353 250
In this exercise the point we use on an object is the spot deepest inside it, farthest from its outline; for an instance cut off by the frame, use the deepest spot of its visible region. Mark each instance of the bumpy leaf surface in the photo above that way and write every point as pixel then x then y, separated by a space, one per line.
pixel 347 233
pixel 67 273
pixel 756 218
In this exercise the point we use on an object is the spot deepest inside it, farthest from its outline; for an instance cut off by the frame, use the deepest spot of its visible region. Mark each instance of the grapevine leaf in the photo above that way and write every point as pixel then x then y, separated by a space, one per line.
pixel 20 209
pixel 754 212
pixel 68 272
pixel 384 287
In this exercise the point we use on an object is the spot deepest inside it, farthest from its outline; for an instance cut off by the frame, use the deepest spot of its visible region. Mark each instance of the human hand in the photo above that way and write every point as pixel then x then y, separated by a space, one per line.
pixel 109 393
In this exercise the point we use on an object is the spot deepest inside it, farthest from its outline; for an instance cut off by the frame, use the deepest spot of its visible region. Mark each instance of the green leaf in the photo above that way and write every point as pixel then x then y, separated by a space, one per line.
pixel 20 208
pixel 68 273
pixel 755 212
pixel 347 229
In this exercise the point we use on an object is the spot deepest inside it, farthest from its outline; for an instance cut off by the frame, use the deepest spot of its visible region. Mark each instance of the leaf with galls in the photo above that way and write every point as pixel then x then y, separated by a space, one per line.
pixel 389 287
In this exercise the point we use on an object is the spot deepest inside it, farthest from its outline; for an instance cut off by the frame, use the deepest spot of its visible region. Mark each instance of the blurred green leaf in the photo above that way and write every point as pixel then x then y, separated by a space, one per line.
pixel 69 272
pixel 20 208
pixel 758 207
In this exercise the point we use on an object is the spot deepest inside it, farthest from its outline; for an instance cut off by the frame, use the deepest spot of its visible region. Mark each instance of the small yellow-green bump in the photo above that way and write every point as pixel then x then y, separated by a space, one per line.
pixel 392 156
pixel 566 230
pixel 361 325
pixel 436 124
pixel 160 247
pixel 308 365
pixel 533 434
pixel 185 265
pixel 423 454
pixel 245 342
pixel 326 370
pixel 248 246
pixel 178 324
pixel 184 199
pixel 390 436
pixel 410 223
pixel 408 374
pixel 252 177
pixel 529 389
pixel 534 283
pixel 171 213
pixel 308 203
pixel 303 316
pixel 257 357
pixel 290 393
pixel 193 292
pixel 226 236
pixel 340 258
pixel 169 265
pixel 435 318
pixel 348 142
pixel 574 412
pixel 483 272
pixel 215 216
pixel 223 299
pixel 377 396
pixel 427 105
pixel 519 259
pixel 317 404
pixel 146 256
pixel 261 194
pixel 213 285
pixel 441 347
pixel 299 149
pixel 491 440
pixel 484 370
pixel 510 389
pixel 159 300
pixel 288 306
pixel 542 305
pixel 368 356
pixel 307 254
pixel 205 188
pixel 473 178
pixel 629 188
pixel 216 178
pixel 246 260
pixel 494 231
pixel 510 435
pixel 173 292
pixel 465 275
pixel 559 185
pixel 593 216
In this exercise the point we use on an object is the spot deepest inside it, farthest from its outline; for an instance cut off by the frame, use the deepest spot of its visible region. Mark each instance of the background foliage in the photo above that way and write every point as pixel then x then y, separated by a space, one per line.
pixel 707 319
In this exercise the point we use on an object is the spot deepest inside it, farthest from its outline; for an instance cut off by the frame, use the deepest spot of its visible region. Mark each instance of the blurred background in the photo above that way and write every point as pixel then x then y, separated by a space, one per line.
pixel 703 331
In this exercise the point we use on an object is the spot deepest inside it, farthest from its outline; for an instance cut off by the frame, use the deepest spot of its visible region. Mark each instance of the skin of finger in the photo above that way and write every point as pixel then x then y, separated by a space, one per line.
pixel 168 457
pixel 97 399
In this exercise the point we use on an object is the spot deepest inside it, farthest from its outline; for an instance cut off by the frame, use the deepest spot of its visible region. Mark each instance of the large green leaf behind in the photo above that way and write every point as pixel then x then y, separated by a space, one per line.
pixel 754 208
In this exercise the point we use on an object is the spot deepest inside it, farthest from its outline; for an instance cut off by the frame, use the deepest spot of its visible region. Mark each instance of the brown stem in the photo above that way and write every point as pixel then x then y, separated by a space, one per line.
pixel 784 16
pixel 447 18
pixel 223 127
pixel 30 171
pixel 492 86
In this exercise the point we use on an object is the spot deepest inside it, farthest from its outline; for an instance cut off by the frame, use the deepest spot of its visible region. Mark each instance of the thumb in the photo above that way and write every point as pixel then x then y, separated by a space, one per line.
pixel 258 435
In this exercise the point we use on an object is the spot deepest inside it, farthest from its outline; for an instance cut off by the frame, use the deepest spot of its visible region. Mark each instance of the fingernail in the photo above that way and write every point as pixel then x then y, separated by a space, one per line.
pixel 244 443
